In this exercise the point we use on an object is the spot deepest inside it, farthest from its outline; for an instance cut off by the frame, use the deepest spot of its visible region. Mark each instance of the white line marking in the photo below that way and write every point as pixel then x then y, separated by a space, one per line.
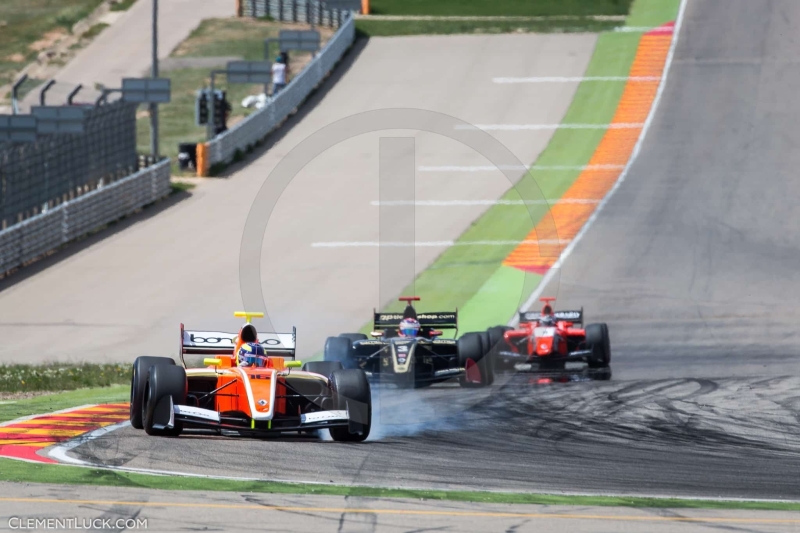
pixel 537 127
pixel 467 203
pixel 578 79
pixel 473 168
pixel 634 29
pixel 607 18
pixel 534 168
pixel 428 244
pixel 59 452
pixel 636 149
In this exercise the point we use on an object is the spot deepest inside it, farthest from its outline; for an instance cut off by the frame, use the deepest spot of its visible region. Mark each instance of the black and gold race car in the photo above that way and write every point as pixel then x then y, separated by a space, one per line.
pixel 418 361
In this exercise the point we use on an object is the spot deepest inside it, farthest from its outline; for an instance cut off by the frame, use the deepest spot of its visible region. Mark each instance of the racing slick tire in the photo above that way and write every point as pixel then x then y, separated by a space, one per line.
pixel 352 393
pixel 163 381
pixel 354 336
pixel 470 348
pixel 496 345
pixel 597 338
pixel 340 349
pixel 488 356
pixel 325 368
pixel 138 380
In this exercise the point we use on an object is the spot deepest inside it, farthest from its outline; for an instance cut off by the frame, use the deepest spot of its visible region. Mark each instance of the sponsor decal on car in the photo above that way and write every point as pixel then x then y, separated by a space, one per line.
pixel 323 416
pixel 196 412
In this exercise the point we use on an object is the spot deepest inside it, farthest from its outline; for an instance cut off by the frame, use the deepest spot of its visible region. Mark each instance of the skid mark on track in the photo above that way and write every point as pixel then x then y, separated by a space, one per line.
pixel 710 415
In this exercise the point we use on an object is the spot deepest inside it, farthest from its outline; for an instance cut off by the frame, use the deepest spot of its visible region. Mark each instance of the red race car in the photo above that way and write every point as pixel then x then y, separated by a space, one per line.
pixel 548 340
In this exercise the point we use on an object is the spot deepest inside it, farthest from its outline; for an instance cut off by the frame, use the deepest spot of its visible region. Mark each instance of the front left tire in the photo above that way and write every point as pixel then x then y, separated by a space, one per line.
pixel 163 382
pixel 352 393
pixel 138 381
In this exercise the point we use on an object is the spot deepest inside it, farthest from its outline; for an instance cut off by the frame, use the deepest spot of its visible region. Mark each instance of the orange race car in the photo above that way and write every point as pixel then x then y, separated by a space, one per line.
pixel 547 341
pixel 251 385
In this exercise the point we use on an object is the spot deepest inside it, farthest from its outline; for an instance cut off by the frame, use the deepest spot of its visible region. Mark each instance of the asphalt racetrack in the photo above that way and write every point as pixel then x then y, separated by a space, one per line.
pixel 693 263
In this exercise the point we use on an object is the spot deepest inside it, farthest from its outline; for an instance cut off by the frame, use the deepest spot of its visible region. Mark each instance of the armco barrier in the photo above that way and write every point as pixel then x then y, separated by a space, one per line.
pixel 45 232
pixel 255 127
pixel 316 12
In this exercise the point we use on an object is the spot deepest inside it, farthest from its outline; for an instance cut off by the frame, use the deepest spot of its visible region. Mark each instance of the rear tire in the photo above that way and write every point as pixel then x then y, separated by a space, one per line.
pixel 325 368
pixel 352 393
pixel 138 381
pixel 497 343
pixel 354 336
pixel 163 381
pixel 470 350
pixel 488 358
pixel 598 341
pixel 340 349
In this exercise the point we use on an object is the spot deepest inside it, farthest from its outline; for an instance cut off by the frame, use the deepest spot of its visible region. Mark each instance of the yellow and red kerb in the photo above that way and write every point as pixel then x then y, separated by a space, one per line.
pixel 21 440
pixel 615 150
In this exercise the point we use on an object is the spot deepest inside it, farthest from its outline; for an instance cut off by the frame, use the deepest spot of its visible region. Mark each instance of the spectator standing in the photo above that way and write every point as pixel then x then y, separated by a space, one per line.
pixel 278 75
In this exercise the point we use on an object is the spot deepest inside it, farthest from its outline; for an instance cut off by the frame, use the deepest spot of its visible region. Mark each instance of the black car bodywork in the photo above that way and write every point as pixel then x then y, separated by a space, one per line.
pixel 411 362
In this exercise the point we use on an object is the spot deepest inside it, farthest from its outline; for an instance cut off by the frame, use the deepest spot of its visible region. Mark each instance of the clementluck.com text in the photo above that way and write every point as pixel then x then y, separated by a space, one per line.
pixel 16 522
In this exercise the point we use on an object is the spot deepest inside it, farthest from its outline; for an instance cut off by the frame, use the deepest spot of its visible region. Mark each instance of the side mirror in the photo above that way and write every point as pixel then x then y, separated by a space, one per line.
pixel 293 364
pixel 212 361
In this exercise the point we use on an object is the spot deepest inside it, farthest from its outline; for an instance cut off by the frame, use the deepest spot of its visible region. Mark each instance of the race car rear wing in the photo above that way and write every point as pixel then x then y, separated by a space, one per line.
pixel 442 320
pixel 218 342
pixel 576 317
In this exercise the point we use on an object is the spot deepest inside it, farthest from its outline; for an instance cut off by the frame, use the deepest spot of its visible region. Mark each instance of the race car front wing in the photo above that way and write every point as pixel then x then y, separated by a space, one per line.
pixel 578 355
pixel 206 418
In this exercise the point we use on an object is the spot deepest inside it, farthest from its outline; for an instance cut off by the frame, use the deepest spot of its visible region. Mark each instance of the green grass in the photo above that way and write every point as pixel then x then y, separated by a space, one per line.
pixel 61 376
pixel 66 18
pixel 471 278
pixel 499 7
pixel 646 13
pixel 17 471
pixel 386 28
pixel 230 37
pixel 460 272
pixel 181 186
pixel 23 22
pixel 122 5
pixel 94 31
pixel 176 119
pixel 12 409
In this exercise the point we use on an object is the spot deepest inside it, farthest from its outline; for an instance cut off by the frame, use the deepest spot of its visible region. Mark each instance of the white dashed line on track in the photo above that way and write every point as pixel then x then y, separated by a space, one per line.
pixel 469 203
pixel 539 127
pixel 429 244
pixel 535 168
pixel 576 79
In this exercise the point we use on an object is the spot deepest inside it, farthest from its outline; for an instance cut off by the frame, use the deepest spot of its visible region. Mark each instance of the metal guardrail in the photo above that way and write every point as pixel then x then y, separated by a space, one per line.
pixel 307 11
pixel 256 126
pixel 68 221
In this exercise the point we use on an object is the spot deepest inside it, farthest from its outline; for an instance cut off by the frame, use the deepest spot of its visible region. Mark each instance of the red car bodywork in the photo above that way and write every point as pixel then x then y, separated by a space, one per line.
pixel 537 341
